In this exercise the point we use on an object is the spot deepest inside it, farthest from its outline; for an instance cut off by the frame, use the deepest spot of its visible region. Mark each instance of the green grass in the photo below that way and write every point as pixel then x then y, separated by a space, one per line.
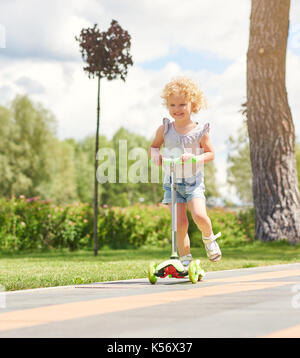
pixel 58 268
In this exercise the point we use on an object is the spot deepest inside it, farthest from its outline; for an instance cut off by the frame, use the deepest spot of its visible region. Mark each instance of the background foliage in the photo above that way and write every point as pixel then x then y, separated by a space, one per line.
pixel 34 162
pixel 239 173
pixel 33 224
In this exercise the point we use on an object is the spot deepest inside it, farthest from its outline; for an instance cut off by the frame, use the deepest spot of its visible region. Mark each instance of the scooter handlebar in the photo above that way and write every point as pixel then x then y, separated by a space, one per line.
pixel 176 160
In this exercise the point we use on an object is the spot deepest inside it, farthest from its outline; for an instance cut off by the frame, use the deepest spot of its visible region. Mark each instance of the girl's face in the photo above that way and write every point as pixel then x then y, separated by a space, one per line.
pixel 179 107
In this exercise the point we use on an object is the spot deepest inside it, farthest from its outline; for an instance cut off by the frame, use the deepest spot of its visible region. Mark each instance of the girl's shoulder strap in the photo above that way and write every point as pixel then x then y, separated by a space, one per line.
pixel 205 129
pixel 167 124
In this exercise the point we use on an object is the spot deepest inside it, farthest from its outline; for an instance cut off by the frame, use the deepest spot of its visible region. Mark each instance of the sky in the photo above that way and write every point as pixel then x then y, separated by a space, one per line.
pixel 205 40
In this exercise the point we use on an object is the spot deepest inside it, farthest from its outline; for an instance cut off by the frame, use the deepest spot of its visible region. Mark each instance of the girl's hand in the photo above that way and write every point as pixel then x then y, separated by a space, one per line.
pixel 187 156
pixel 157 159
pixel 156 156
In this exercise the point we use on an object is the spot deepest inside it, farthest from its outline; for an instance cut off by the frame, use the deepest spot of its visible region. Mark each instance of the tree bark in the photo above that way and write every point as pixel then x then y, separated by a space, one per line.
pixel 270 125
pixel 96 181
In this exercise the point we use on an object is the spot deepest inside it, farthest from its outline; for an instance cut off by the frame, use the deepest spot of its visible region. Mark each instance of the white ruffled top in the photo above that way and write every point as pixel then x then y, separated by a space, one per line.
pixel 176 144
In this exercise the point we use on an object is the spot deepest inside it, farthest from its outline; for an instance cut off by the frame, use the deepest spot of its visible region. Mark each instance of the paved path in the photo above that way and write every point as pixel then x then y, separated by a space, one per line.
pixel 254 302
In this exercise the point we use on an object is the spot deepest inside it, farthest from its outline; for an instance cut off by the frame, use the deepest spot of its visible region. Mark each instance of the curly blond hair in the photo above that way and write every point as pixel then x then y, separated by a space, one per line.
pixel 189 89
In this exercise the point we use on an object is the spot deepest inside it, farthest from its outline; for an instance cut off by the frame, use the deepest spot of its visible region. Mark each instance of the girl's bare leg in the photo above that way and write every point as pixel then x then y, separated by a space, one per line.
pixel 197 207
pixel 183 240
pixel 200 217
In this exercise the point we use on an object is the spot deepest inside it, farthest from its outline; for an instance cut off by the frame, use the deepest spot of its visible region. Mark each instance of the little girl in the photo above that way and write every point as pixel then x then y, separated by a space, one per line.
pixel 186 139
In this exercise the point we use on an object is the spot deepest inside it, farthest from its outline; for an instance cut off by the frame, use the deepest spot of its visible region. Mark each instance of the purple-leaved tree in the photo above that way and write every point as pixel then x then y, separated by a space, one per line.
pixel 107 55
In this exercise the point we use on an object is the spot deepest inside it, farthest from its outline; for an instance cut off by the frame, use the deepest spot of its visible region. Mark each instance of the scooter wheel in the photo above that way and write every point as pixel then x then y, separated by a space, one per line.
pixel 151 273
pixel 193 272
pixel 201 272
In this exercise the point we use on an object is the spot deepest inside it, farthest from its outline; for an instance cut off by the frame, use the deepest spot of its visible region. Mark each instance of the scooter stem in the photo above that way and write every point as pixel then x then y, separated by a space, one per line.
pixel 174 212
pixel 172 163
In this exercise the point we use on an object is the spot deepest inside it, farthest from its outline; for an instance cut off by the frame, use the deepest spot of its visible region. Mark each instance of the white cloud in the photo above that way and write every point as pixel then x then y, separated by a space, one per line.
pixel 47 29
pixel 29 85
pixel 42 29
pixel 295 12
pixel 158 26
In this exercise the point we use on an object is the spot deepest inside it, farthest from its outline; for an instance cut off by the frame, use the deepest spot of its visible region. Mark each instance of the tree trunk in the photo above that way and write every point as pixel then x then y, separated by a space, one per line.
pixel 96 181
pixel 270 125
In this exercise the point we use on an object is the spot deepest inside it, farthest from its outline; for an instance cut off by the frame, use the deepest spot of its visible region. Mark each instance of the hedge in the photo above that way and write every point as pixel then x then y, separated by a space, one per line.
pixel 32 224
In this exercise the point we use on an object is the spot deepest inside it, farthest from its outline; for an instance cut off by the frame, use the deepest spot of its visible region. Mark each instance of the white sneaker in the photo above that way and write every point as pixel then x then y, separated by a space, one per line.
pixel 186 260
pixel 212 248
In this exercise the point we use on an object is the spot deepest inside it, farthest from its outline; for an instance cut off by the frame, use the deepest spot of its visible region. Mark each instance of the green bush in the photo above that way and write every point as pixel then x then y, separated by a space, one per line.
pixel 32 224
pixel 247 222
pixel 134 226
pixel 235 228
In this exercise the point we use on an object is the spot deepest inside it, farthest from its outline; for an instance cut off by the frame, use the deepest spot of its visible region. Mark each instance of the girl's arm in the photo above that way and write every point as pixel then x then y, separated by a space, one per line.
pixel 208 152
pixel 155 146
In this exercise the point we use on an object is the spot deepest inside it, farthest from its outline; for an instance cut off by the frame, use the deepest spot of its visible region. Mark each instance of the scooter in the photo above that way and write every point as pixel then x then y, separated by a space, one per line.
pixel 174 267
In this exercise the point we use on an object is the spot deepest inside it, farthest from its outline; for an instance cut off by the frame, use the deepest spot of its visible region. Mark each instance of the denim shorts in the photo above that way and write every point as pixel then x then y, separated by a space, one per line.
pixel 186 189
